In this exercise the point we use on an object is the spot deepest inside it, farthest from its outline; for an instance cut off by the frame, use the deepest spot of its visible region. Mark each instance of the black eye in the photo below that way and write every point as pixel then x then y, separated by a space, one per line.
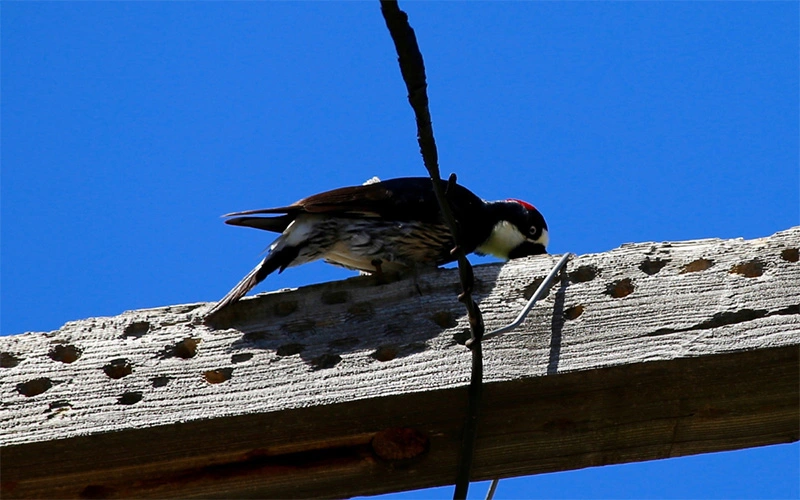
pixel 533 230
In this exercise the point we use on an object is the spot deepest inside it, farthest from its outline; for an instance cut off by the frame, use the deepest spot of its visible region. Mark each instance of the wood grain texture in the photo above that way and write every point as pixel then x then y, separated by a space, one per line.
pixel 648 351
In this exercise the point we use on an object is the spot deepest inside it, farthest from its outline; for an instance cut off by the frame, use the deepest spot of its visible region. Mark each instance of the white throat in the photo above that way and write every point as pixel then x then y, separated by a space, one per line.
pixel 504 237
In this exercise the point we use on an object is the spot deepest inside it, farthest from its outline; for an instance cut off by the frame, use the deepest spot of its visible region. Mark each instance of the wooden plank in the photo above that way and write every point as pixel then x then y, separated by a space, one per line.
pixel 644 352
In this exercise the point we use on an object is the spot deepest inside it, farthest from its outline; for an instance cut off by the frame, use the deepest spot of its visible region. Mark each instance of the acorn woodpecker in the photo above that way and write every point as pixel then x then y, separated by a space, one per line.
pixel 388 226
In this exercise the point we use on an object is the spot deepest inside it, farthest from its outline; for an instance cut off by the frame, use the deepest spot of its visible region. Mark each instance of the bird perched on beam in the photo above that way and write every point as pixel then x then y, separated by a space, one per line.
pixel 388 226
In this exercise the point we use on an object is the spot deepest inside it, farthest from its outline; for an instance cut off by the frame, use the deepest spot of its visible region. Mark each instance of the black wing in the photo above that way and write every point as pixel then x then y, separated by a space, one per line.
pixel 402 199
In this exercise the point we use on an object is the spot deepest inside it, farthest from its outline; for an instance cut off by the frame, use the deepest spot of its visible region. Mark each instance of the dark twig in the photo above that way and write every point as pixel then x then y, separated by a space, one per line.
pixel 413 69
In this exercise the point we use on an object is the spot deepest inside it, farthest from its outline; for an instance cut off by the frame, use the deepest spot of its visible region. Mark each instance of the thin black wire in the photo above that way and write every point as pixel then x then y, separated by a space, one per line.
pixel 492 489
pixel 412 68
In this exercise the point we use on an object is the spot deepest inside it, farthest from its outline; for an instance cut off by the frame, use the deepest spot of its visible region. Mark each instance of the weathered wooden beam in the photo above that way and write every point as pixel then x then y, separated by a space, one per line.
pixel 647 351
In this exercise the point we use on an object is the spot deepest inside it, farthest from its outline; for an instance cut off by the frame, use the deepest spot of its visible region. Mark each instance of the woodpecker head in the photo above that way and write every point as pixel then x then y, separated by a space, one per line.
pixel 519 230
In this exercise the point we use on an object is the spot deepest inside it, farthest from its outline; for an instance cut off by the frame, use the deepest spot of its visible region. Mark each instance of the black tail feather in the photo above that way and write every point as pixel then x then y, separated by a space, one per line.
pixel 280 259
pixel 275 224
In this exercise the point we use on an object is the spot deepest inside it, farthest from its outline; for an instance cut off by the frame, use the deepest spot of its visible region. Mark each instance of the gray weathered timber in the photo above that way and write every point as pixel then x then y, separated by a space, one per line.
pixel 648 351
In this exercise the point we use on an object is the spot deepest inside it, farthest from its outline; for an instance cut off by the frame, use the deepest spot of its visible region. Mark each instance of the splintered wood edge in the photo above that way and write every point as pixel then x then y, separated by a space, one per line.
pixel 346 350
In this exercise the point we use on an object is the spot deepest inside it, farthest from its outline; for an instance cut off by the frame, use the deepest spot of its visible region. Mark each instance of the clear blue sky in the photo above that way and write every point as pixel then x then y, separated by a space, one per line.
pixel 129 128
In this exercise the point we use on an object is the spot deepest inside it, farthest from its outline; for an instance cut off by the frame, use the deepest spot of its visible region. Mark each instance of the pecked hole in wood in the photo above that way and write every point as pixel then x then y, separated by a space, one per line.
pixel 790 254
pixel 129 398
pixel 118 368
pixel 462 337
pixel 57 408
pixel 621 288
pixel 8 360
pixel 241 357
pixel 325 361
pixel 186 348
pixel 697 266
pixel 136 329
pixel 290 349
pixel 160 381
pixel 651 267
pixel 444 319
pixel 65 353
pixel 750 269
pixel 34 387
pixel 58 405
pixel 531 289
pixel 573 312
pixel 583 274
pixel 385 353
pixel 218 376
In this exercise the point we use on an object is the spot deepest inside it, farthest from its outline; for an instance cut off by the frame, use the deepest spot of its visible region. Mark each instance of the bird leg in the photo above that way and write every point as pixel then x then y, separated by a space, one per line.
pixel 379 276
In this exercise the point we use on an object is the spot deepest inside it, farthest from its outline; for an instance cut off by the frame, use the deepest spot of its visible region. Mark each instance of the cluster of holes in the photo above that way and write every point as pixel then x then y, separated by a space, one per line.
pixel 60 352
pixel 187 348
pixel 624 287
